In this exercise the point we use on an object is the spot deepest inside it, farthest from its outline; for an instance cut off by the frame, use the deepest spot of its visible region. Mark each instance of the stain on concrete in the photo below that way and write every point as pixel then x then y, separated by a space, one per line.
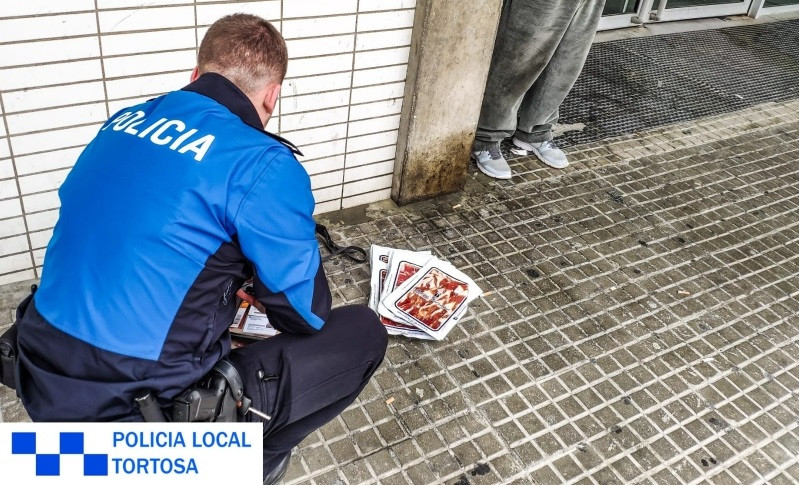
pixel 481 469
pixel 438 169
pixel 532 273
pixel 615 196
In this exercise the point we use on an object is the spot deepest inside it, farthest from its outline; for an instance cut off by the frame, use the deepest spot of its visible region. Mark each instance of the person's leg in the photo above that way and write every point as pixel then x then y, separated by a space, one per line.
pixel 304 381
pixel 528 35
pixel 539 109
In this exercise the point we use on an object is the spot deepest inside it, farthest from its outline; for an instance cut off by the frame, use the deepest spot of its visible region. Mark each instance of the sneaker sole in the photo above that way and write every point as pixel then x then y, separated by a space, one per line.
pixel 537 154
pixel 493 176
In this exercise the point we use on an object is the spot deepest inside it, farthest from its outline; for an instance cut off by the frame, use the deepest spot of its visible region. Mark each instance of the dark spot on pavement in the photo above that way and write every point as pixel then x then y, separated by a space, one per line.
pixel 462 480
pixel 481 469
pixel 718 423
pixel 643 243
pixel 704 462
pixel 615 197
pixel 533 273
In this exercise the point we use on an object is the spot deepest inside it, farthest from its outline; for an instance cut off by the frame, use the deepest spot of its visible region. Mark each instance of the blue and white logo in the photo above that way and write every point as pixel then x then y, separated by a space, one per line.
pixel 49 464
pixel 97 453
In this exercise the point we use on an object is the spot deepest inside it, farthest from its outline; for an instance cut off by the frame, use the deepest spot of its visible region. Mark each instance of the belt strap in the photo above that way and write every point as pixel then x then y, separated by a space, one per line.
pixel 228 372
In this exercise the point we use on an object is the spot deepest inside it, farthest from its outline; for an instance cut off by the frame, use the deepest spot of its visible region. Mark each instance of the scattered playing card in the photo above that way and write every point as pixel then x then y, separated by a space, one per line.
pixel 402 265
pixel 378 260
pixel 418 296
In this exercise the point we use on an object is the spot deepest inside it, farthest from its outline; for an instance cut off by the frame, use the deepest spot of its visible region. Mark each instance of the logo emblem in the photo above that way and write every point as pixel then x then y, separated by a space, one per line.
pixel 49 464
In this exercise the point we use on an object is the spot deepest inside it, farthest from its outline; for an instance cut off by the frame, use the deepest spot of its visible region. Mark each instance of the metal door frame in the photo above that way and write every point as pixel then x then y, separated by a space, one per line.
pixel 664 14
pixel 758 7
pixel 647 14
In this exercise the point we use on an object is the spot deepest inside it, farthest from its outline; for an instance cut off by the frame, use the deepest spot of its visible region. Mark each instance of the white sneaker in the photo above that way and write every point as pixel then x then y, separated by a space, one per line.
pixel 492 163
pixel 546 151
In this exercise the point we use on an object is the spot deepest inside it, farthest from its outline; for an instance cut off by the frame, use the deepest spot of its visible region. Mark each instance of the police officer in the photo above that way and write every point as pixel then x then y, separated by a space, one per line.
pixel 167 212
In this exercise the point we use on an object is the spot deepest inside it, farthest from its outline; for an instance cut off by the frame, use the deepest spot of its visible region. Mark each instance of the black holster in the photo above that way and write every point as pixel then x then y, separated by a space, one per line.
pixel 8 357
pixel 9 350
pixel 217 397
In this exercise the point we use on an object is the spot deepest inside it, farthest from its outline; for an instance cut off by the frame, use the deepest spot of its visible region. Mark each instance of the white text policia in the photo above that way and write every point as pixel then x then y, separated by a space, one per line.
pixel 170 439
pixel 130 121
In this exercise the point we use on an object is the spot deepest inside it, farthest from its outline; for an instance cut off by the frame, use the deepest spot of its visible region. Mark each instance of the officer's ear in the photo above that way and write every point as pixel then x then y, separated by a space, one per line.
pixel 271 95
pixel 195 74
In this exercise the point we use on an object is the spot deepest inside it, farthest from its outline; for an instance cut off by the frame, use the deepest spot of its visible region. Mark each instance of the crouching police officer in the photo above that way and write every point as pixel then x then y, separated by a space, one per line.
pixel 166 213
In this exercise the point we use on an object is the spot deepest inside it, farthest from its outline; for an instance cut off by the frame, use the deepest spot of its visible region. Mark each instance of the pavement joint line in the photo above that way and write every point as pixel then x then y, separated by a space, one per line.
pixel 534 436
pixel 677 425
pixel 674 371
pixel 753 449
pixel 729 204
pixel 621 393
pixel 589 412
pixel 632 160
pixel 778 470
pixel 678 323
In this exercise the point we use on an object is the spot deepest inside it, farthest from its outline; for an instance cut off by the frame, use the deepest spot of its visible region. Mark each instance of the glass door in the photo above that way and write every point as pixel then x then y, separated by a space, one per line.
pixel 628 13
pixel 618 14
pixel 618 7
pixel 664 10
pixel 773 6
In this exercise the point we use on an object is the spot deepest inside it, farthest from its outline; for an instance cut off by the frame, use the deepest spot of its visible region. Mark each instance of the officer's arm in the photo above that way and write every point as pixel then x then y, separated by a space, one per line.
pixel 276 231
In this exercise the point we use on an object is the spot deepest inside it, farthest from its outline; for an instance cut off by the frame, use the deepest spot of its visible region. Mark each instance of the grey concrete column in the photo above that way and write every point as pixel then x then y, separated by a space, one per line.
pixel 447 70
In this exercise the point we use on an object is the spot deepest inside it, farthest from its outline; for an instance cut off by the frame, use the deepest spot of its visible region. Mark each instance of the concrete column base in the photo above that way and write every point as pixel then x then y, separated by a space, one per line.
pixel 450 55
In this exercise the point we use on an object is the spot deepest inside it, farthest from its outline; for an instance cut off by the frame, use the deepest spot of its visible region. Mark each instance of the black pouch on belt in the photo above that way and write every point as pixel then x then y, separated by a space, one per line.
pixel 9 351
pixel 8 357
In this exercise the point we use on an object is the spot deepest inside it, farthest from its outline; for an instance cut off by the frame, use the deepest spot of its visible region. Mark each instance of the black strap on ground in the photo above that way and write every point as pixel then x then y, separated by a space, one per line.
pixel 354 253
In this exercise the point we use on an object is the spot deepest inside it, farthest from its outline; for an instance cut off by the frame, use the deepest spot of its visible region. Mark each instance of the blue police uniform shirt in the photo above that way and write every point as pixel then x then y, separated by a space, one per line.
pixel 172 206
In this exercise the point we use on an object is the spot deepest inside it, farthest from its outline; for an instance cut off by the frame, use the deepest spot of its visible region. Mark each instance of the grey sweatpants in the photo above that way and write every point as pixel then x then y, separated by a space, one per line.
pixel 540 50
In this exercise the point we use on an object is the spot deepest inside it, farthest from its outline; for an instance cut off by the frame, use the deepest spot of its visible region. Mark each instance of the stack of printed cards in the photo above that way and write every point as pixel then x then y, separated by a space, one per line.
pixel 418 295
pixel 251 323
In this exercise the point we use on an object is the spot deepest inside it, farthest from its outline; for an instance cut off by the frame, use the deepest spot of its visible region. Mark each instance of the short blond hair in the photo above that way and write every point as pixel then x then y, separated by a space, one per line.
pixel 246 49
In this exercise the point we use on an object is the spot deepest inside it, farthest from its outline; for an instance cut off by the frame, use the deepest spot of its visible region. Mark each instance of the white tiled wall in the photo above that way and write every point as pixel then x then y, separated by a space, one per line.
pixel 65 66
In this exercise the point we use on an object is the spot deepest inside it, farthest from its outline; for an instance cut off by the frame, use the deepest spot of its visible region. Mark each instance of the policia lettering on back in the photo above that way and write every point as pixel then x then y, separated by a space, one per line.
pixel 163 132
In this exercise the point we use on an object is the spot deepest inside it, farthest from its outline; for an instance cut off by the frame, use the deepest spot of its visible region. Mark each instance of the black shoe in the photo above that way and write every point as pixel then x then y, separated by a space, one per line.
pixel 278 471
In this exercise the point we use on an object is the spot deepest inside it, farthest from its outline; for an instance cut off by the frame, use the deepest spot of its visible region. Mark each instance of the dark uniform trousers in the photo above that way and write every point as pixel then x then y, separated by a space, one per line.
pixel 304 381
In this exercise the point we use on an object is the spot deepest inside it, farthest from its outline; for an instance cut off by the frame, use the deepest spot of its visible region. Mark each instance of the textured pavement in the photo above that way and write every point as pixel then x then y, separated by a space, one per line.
pixel 640 324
